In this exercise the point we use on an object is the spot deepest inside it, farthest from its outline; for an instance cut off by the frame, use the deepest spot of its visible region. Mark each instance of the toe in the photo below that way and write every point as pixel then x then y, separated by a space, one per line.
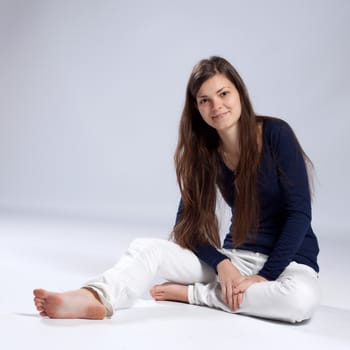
pixel 153 290
pixel 156 286
pixel 39 302
pixel 40 293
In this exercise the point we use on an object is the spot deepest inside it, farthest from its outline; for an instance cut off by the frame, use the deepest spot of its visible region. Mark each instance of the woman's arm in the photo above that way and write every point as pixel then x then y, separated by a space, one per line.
pixel 229 276
pixel 207 253
pixel 294 185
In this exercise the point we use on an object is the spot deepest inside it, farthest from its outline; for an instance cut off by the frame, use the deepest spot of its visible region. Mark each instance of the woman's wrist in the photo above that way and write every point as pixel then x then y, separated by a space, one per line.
pixel 225 265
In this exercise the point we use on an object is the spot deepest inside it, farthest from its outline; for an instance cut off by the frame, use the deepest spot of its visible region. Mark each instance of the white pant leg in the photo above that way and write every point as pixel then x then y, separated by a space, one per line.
pixel 119 286
pixel 293 297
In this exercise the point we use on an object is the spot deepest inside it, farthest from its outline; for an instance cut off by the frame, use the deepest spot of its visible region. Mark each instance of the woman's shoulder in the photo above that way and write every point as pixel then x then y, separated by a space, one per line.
pixel 272 123
pixel 274 128
pixel 277 134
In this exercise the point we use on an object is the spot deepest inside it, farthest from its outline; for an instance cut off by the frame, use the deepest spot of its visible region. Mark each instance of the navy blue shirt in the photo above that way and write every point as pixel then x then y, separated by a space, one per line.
pixel 284 232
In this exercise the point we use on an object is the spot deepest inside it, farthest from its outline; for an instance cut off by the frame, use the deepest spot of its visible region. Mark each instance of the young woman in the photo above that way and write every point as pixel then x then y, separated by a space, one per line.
pixel 267 266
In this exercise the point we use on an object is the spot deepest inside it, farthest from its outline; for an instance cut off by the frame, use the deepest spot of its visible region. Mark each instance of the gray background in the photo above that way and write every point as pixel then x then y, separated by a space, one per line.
pixel 91 93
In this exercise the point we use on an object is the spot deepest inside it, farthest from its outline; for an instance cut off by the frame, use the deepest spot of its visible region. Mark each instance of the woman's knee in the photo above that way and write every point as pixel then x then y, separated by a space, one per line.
pixel 142 244
pixel 302 300
pixel 153 248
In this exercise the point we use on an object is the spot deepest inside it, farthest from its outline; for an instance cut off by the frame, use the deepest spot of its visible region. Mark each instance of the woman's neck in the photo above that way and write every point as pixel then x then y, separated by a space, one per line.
pixel 229 148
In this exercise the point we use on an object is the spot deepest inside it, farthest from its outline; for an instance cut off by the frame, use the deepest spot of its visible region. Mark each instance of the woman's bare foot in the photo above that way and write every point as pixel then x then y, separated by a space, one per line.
pixel 80 303
pixel 170 291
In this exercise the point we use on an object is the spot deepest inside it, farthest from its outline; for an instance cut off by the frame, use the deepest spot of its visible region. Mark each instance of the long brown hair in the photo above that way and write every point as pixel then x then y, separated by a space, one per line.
pixel 197 162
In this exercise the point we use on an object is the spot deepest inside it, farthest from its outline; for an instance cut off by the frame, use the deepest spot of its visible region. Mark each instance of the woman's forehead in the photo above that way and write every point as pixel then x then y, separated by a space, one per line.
pixel 214 84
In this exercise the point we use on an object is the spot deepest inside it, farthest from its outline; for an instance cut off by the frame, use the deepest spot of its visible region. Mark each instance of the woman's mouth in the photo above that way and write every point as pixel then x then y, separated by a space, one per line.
pixel 219 116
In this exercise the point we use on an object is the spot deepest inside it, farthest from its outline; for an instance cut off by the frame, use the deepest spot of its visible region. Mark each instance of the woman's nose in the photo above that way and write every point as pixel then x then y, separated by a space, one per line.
pixel 216 104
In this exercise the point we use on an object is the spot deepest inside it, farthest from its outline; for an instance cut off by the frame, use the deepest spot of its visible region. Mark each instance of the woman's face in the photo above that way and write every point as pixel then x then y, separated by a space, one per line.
pixel 219 103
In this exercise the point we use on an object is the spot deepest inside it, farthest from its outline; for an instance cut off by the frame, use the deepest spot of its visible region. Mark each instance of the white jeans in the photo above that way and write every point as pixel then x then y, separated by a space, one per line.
pixel 293 297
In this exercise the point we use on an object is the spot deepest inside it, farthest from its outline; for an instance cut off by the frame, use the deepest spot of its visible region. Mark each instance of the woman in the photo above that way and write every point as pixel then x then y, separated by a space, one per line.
pixel 267 266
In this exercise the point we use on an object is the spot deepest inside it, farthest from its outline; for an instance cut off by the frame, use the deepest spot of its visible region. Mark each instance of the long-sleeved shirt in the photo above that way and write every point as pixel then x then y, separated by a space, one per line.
pixel 284 232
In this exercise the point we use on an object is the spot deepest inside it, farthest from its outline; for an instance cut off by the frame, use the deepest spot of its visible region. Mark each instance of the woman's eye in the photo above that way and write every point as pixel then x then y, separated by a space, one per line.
pixel 224 93
pixel 204 100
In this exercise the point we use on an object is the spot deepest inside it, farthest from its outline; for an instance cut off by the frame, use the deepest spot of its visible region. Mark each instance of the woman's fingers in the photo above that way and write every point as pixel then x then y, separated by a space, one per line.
pixel 233 291
pixel 229 277
pixel 230 298
pixel 240 297
pixel 234 304
pixel 246 282
pixel 229 295
pixel 224 294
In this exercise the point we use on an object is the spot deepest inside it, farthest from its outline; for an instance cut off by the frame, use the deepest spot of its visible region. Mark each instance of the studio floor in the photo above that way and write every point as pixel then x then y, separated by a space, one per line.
pixel 61 254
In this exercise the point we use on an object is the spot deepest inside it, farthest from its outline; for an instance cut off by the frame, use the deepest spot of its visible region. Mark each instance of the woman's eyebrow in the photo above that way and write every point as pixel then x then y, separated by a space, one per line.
pixel 224 87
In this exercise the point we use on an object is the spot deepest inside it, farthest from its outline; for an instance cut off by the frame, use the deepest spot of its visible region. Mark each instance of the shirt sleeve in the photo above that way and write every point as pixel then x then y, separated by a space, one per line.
pixel 294 184
pixel 206 253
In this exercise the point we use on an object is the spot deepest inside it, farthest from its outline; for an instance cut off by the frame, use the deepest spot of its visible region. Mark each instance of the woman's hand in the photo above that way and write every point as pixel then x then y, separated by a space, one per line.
pixel 230 278
pixel 246 282
pixel 233 284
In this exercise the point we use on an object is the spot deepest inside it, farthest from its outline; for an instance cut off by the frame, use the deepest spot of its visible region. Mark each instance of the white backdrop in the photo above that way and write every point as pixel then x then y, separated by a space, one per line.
pixel 91 93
